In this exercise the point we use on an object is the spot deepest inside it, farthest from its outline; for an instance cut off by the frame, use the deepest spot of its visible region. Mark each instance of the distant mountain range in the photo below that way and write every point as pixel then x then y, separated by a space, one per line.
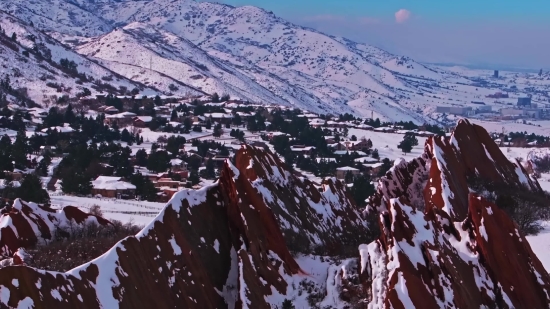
pixel 187 47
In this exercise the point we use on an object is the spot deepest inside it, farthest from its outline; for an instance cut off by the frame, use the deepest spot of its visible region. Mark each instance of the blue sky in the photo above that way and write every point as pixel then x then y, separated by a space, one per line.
pixel 505 33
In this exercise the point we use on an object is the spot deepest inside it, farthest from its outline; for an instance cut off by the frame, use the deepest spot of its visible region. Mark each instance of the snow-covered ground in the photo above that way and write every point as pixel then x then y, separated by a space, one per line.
pixel 140 212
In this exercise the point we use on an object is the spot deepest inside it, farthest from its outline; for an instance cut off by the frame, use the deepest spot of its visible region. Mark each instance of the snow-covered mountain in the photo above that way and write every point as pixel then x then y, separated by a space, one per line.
pixel 246 52
pixel 32 61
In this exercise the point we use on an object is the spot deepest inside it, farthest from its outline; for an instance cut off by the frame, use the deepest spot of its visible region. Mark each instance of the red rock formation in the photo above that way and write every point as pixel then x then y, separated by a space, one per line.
pixel 218 247
pixel 309 217
pixel 227 245
pixel 458 250
pixel 26 223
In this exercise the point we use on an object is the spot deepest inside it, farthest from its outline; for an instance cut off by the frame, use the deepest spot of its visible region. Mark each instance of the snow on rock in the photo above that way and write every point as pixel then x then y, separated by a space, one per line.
pixel 229 244
pixel 206 249
pixel 458 250
pixel 26 223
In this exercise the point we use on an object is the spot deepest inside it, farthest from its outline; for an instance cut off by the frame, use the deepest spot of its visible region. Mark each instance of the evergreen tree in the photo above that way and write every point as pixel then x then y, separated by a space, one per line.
pixel 5 154
pixel 42 168
pixel 69 116
pixel 215 98
pixel 348 178
pixel 361 190
pixel 237 120
pixel 125 135
pixel 158 101
pixel 174 116
pixel 217 130
pixel 144 187
pixel 187 124
pixel 210 172
pixel 386 166
pixel 20 150
pixel 74 181
pixel 375 154
pixel 31 190
pixel 353 138
pixel 287 304
pixel 158 161
pixel 141 157
pixel 208 124
pixel 14 37
pixel 194 178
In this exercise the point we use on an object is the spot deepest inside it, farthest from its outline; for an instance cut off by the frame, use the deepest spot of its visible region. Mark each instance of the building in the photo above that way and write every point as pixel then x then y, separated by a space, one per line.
pixel 142 121
pixel 305 150
pixel 484 109
pixel 495 74
pixel 461 111
pixel 498 95
pixel 511 112
pixel 113 187
pixel 532 113
pixel 525 101
pixel 121 119
pixel 342 171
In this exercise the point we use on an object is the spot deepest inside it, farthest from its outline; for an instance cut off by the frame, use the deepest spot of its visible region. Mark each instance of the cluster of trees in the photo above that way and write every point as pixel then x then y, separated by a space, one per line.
pixel 527 208
pixel 217 99
pixel 68 65
pixel 408 142
pixel 30 189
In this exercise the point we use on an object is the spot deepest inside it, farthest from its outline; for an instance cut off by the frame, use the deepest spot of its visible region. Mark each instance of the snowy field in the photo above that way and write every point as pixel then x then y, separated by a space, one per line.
pixel 140 212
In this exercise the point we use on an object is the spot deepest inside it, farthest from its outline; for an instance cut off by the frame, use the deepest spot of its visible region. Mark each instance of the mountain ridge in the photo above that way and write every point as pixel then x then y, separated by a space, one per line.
pixel 273 60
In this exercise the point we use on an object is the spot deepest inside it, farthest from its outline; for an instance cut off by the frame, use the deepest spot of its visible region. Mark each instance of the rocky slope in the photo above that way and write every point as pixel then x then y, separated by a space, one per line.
pixel 461 251
pixel 247 242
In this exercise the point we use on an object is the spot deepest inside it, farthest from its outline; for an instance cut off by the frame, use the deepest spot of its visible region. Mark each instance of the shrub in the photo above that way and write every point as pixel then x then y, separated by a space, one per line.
pixel 76 245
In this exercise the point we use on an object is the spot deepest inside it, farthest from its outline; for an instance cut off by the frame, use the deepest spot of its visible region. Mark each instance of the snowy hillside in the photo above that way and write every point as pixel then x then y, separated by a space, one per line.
pixel 183 47
pixel 32 60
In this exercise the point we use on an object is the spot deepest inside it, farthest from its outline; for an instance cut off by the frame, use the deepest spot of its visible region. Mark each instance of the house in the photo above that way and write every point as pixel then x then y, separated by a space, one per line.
pixel 220 117
pixel 342 171
pixel 113 187
pixel 373 168
pixel 167 183
pixel 305 150
pixel 47 148
pixel 109 110
pixel 121 119
pixel 64 130
pixel 142 121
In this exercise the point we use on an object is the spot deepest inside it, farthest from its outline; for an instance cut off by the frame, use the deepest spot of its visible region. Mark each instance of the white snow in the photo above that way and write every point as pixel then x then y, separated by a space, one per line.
pixel 175 247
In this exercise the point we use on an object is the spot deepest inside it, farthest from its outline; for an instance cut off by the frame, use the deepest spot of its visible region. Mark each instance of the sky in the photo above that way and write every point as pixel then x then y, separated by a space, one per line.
pixel 490 33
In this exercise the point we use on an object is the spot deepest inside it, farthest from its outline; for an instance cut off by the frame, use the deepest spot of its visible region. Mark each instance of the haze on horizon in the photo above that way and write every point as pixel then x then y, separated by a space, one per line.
pixel 492 34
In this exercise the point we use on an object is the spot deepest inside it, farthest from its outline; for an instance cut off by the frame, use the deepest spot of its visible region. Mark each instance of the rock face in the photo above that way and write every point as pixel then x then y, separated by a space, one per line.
pixel 461 251
pixel 27 223
pixel 218 247
pixel 228 245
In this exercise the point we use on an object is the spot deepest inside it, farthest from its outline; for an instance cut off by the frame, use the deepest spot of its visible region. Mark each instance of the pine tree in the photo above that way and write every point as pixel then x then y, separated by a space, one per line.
pixel 14 37
pixel 287 304
pixel 210 172
pixel 141 157
pixel 69 116
pixel 194 178
pixel 217 130
pixel 361 190
pixel 158 101
pixel 20 150
pixel 215 98
pixel 31 190
pixel 174 116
